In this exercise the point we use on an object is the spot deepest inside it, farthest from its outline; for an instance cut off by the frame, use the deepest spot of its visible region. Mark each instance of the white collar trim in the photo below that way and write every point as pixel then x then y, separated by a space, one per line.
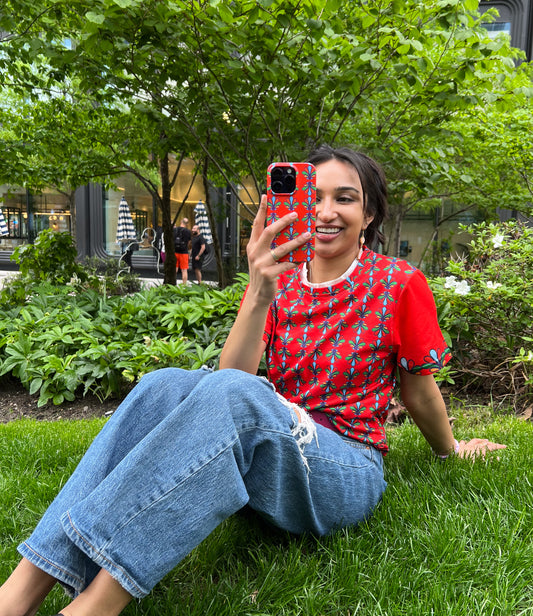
pixel 328 283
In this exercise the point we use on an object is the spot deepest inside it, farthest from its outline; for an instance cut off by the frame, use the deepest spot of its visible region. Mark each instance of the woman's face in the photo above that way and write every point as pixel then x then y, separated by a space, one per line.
pixel 339 212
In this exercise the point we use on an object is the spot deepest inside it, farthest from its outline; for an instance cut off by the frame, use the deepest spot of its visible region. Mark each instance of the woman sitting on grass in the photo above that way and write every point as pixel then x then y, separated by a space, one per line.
pixel 185 450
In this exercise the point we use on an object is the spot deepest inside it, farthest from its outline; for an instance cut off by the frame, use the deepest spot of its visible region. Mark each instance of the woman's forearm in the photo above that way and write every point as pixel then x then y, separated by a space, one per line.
pixel 422 398
pixel 244 345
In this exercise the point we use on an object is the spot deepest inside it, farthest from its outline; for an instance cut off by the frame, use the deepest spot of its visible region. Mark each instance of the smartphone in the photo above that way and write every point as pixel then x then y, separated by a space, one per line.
pixel 291 187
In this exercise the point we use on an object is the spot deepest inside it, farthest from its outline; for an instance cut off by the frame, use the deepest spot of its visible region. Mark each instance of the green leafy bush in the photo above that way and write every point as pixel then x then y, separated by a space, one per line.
pixel 107 276
pixel 61 343
pixel 485 308
pixel 51 260
pixel 51 257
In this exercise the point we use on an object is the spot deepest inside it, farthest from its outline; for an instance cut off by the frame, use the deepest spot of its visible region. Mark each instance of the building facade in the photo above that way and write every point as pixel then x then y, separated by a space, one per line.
pixel 91 214
pixel 515 19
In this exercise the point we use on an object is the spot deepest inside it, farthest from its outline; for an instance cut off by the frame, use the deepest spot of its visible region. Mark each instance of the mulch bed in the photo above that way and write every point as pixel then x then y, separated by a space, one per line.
pixel 16 403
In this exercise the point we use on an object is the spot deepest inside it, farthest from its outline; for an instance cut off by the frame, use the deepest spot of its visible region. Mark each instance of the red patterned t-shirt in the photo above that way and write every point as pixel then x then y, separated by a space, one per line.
pixel 335 349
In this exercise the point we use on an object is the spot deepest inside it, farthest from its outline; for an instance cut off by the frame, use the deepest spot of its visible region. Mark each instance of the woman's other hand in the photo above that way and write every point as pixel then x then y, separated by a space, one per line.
pixel 477 447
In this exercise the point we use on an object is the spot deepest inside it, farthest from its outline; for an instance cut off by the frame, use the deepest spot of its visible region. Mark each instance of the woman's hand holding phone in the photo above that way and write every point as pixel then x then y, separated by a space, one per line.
pixel 266 264
pixel 244 346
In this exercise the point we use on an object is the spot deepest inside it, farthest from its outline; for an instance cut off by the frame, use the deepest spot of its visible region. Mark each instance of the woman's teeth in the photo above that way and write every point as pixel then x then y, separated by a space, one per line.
pixel 328 230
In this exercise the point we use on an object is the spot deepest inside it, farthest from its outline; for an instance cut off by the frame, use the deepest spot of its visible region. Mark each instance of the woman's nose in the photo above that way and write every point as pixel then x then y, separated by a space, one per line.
pixel 325 210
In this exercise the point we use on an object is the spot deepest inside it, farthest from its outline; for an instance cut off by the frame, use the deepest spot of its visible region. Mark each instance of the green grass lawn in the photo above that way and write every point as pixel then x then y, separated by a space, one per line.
pixel 449 538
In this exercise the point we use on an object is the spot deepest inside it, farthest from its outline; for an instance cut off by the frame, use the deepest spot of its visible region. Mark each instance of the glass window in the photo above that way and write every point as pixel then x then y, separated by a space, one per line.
pixel 497 28
pixel 27 214
pixel 14 210
pixel 51 211
pixel 187 191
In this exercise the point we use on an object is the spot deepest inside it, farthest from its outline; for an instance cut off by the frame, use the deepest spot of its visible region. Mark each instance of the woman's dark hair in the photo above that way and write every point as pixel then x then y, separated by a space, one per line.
pixel 372 180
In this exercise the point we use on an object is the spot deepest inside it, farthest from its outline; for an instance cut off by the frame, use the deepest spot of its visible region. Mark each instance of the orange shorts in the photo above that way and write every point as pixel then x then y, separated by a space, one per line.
pixel 182 261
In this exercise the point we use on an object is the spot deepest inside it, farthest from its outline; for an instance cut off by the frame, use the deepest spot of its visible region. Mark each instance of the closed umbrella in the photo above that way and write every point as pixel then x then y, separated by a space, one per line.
pixel 125 228
pixel 200 218
pixel 3 226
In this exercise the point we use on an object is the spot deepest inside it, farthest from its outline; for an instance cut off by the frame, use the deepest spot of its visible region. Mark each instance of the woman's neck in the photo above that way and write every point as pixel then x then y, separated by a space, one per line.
pixel 320 270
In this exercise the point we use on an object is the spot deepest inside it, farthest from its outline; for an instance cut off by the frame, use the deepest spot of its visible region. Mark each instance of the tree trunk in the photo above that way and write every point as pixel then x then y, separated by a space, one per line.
pixel 166 220
pixel 397 233
pixel 216 242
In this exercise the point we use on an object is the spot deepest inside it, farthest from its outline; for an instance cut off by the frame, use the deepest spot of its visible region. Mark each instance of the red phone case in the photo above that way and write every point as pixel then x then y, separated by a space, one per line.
pixel 302 200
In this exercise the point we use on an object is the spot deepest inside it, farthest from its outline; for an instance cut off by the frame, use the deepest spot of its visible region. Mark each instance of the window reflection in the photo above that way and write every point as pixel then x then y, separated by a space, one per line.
pixel 497 28
pixel 27 215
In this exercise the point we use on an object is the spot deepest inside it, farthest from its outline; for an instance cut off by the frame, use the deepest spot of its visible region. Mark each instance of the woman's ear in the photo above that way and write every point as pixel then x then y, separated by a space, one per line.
pixel 367 221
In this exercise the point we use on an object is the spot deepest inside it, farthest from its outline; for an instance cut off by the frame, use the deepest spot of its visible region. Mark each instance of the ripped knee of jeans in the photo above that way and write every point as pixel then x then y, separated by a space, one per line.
pixel 304 428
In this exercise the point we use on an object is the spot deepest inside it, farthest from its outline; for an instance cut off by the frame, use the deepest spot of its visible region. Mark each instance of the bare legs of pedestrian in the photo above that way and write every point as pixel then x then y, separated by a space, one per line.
pixel 27 587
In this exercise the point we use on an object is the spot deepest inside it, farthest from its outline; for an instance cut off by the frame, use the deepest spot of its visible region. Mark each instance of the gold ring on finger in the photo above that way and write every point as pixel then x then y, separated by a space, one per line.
pixel 274 255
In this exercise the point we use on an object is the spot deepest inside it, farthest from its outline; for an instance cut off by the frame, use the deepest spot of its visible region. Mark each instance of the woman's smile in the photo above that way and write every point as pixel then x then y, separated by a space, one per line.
pixel 327 233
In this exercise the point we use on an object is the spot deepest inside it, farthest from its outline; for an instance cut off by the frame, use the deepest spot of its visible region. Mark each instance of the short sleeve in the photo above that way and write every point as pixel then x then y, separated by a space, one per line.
pixel 418 341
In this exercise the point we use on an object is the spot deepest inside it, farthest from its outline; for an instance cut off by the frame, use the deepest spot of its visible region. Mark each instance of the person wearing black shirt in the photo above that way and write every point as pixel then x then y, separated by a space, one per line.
pixel 198 252
pixel 182 238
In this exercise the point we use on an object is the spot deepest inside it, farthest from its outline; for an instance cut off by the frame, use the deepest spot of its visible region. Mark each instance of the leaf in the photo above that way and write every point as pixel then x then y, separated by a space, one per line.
pixel 224 12
pixel 35 385
pixel 96 18
pixel 368 20
pixel 58 399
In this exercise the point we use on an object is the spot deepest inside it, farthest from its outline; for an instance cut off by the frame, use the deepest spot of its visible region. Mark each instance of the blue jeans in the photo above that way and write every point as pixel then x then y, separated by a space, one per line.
pixel 184 451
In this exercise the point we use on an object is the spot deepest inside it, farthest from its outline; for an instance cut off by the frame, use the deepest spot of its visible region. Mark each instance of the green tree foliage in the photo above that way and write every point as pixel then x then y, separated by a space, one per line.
pixel 235 85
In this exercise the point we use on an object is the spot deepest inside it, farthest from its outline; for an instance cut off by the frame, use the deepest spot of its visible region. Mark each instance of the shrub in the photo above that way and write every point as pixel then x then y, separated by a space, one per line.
pixel 52 258
pixel 52 261
pixel 485 309
pixel 62 343
pixel 106 276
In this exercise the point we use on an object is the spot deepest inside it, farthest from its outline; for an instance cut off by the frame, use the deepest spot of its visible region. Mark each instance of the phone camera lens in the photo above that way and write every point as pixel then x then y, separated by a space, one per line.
pixel 283 179
pixel 289 184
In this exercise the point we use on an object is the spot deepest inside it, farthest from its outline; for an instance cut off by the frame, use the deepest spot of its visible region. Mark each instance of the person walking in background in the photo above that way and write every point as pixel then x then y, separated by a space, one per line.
pixel 305 449
pixel 182 239
pixel 199 247
pixel 159 243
